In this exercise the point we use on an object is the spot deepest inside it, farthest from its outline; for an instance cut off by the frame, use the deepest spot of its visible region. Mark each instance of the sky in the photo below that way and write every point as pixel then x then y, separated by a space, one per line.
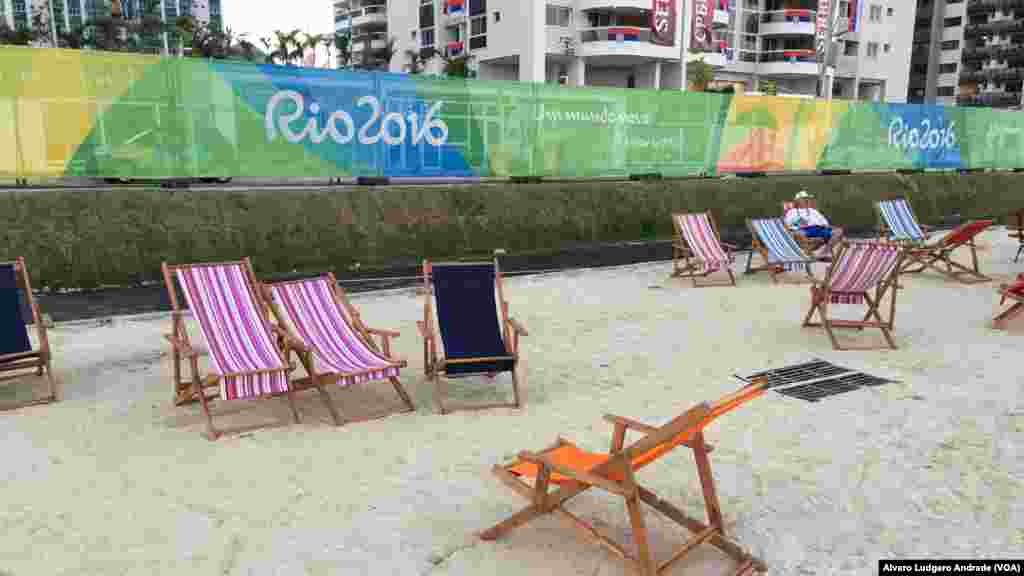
pixel 261 17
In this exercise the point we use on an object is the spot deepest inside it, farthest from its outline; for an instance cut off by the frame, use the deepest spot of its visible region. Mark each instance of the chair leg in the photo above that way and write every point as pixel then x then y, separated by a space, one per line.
pixel 437 391
pixel 197 385
pixel 291 403
pixel 326 397
pixel 1019 250
pixel 515 386
pixel 400 390
pixel 707 483
pixel 644 558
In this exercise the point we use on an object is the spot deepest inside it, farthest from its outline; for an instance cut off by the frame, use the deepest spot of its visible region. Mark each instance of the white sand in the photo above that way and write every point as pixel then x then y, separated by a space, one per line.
pixel 116 480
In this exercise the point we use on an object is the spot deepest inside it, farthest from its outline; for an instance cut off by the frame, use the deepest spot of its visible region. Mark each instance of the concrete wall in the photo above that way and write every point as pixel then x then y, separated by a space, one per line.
pixel 87 239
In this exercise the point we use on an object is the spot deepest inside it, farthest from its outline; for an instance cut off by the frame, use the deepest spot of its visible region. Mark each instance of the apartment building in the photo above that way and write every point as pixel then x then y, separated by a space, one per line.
pixel 366 22
pixel 70 14
pixel 770 46
pixel 969 53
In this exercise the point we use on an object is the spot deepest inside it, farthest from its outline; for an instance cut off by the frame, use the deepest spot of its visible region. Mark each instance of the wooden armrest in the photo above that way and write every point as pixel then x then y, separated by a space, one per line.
pixel 380 332
pixel 181 345
pixel 579 475
pixel 730 246
pixel 518 327
pixel 630 424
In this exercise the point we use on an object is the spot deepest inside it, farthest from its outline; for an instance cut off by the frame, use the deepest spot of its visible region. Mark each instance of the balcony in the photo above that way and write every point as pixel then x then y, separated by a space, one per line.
pixel 373 41
pixel 788 23
pixel 720 19
pixel 990 99
pixel 801 62
pixel 983 6
pixel 623 41
pixel 376 15
pixel 980 52
pixel 584 5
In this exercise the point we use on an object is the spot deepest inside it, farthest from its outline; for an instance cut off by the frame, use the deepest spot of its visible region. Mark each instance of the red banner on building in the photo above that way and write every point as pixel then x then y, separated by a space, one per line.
pixel 663 22
pixel 703 14
pixel 822 29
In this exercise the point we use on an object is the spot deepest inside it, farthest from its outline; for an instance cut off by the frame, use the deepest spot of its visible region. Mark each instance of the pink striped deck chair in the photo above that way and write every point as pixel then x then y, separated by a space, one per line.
pixel 1014 292
pixel 245 361
pixel 859 267
pixel 330 339
pixel 698 250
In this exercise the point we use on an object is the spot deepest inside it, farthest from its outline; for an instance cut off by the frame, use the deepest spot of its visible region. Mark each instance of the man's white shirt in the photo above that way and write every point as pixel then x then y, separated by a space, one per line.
pixel 802 217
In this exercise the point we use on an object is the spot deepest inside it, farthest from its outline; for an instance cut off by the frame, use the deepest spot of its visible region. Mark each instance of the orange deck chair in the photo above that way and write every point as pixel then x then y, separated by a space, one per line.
pixel 16 352
pixel 571 471
pixel 1015 292
pixel 931 255
pixel 698 252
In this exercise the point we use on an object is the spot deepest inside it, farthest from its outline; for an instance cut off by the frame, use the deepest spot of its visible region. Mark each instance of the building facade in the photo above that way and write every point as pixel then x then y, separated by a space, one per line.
pixel 769 46
pixel 70 14
pixel 367 24
pixel 969 53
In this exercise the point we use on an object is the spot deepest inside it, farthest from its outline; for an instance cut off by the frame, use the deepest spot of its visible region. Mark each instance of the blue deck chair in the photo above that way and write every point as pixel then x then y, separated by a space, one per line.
pixel 897 223
pixel 478 336
pixel 777 247
pixel 16 353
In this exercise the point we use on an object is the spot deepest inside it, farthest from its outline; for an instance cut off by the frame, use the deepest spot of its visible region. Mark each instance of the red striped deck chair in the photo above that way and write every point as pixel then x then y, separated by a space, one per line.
pixel 859 267
pixel 17 356
pixel 1014 292
pixel 698 250
pixel 940 252
pixel 245 360
pixel 329 338
pixel 571 471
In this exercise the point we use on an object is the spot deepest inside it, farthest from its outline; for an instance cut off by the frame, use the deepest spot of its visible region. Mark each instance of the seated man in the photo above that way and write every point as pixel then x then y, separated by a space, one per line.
pixel 809 222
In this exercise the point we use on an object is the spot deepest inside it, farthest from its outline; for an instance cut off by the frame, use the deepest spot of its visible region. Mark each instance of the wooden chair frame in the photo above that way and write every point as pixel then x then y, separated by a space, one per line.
pixel 685 264
pixel 1016 309
pixel 181 346
pixel 820 296
pixel 40 359
pixel 1015 230
pixel 320 380
pixel 616 475
pixel 932 255
pixel 775 269
pixel 434 364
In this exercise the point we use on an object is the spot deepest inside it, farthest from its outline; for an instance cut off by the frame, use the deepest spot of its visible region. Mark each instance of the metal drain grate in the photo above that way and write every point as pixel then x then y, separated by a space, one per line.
pixel 798 373
pixel 814 391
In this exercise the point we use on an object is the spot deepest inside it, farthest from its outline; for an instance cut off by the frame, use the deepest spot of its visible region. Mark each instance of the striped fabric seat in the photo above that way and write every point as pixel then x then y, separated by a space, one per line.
pixel 900 220
pixel 861 267
pixel 700 235
pixel 312 312
pixel 242 349
pixel 783 249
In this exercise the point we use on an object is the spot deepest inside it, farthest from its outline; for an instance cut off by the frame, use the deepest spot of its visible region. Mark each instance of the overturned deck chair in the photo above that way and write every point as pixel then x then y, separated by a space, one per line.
pixel 571 471
pixel 698 252
pixel 931 255
pixel 16 353
pixel 331 341
pixel 897 223
pixel 245 358
pixel 777 247
pixel 1014 292
pixel 859 268
pixel 476 340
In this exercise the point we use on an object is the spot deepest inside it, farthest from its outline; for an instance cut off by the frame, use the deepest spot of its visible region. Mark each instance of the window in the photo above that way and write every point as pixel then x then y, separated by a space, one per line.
pixel 477 7
pixel 412 35
pixel 426 16
pixel 875 15
pixel 944 91
pixel 888 12
pixel 950 44
pixel 478 32
pixel 426 38
pixel 949 68
pixel 559 15
pixel 850 49
pixel 497 16
pixel 19 5
pixel 872 49
pixel 952 22
pixel 886 47
pixel 75 9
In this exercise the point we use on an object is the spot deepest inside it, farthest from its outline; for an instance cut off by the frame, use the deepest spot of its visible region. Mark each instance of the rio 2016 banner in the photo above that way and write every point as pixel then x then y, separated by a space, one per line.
pixel 86 113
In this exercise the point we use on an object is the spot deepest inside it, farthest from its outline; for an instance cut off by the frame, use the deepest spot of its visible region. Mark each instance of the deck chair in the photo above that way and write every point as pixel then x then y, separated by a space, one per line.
pixel 777 247
pixel 859 267
pixel 930 255
pixel 572 471
pixel 475 341
pixel 330 340
pixel 1015 292
pixel 16 352
pixel 897 223
pixel 245 358
pixel 812 245
pixel 698 251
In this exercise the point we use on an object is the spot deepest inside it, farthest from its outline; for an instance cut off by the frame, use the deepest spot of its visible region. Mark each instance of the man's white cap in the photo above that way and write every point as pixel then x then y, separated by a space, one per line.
pixel 801 195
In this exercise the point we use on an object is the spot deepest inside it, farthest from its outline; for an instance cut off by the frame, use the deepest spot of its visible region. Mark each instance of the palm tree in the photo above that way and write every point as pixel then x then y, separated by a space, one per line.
pixel 312 42
pixel 701 75
pixel 293 46
pixel 457 66
pixel 342 42
pixel 418 59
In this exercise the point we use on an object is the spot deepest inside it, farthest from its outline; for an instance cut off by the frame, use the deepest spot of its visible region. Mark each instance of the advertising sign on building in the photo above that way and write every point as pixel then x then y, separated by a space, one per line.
pixel 700 38
pixel 663 22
